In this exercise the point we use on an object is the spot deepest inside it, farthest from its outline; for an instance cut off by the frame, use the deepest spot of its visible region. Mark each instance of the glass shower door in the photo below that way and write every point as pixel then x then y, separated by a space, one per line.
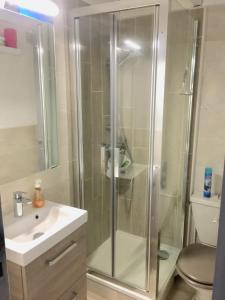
pixel 115 65
pixel 93 38
pixel 176 135
pixel 134 110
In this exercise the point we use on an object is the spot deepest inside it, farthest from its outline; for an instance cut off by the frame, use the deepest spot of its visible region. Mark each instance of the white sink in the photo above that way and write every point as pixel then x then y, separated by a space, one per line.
pixel 39 229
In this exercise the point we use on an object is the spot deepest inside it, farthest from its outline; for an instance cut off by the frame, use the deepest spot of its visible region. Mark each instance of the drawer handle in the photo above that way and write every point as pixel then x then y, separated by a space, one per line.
pixel 62 254
pixel 74 296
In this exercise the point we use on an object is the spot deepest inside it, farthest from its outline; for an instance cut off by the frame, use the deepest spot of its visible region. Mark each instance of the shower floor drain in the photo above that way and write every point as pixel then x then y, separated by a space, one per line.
pixel 163 254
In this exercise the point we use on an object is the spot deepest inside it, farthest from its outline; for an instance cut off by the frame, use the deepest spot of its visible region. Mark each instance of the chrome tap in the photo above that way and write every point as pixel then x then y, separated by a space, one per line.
pixel 19 201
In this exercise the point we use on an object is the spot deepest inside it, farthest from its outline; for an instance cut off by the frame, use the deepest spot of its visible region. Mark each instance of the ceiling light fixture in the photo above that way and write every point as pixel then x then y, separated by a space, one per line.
pixel 44 7
pixel 2 3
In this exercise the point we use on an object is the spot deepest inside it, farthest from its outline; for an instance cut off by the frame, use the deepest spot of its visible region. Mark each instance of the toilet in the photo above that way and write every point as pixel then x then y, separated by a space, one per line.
pixel 196 262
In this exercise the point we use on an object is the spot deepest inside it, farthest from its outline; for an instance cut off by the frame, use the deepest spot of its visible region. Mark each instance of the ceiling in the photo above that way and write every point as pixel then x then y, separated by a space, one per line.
pixel 186 3
pixel 213 2
pixel 190 3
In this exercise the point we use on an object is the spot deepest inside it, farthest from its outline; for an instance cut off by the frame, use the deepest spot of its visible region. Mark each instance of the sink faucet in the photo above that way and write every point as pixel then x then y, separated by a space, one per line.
pixel 19 201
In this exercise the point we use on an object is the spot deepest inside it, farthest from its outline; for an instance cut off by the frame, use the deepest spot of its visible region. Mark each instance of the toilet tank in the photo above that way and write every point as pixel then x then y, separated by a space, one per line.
pixel 206 218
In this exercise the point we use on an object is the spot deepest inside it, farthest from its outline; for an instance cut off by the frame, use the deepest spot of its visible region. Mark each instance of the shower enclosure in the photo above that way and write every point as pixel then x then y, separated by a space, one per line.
pixel 132 69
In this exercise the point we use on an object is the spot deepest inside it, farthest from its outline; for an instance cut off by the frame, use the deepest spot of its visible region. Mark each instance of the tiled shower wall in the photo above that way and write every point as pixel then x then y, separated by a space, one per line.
pixel 210 133
pixel 134 75
pixel 95 68
pixel 18 142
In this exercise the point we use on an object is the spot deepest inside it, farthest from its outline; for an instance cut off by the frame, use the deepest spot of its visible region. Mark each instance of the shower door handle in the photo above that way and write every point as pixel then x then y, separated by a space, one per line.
pixel 156 192
pixel 117 163
pixel 103 159
pixel 156 179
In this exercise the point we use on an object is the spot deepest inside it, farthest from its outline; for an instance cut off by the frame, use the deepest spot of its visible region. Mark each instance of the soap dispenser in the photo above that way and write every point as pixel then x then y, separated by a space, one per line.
pixel 38 200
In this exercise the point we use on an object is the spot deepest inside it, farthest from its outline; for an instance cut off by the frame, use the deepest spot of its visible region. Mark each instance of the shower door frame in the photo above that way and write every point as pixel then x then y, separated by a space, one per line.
pixel 157 104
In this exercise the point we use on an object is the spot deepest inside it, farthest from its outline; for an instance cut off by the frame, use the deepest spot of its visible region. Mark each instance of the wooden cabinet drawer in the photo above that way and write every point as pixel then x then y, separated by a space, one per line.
pixel 56 270
pixel 78 291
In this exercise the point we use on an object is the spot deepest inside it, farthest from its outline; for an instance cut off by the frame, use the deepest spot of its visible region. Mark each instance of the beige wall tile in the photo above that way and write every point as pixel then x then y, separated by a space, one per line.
pixel 215 23
pixel 140 155
pixel 141 138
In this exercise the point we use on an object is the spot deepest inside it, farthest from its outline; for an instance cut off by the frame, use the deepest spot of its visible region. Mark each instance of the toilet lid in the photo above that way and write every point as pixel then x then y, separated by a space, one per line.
pixel 197 262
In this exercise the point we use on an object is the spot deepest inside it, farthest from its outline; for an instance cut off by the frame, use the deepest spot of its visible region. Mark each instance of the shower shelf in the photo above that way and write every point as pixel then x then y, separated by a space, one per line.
pixel 133 171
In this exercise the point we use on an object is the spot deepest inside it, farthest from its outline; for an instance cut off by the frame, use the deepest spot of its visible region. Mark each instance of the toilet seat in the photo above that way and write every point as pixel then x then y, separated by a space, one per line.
pixel 196 264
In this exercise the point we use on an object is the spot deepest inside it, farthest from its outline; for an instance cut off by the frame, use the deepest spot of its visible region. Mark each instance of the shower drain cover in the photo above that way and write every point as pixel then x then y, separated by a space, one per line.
pixel 163 254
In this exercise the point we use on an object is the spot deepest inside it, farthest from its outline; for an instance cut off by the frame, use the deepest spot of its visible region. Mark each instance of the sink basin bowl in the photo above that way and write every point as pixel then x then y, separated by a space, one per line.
pixel 39 229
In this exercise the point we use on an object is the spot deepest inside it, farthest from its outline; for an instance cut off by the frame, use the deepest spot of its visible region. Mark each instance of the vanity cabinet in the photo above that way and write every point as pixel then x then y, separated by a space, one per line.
pixel 77 291
pixel 59 273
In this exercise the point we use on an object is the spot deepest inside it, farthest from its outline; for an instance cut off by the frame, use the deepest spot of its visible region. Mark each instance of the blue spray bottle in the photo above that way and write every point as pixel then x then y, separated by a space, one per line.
pixel 207 183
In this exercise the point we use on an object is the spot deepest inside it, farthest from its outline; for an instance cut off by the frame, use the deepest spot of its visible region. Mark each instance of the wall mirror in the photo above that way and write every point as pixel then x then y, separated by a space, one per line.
pixel 28 114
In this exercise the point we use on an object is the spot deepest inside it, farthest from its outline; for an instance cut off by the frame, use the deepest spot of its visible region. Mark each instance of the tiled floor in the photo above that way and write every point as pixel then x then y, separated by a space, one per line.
pixel 179 291
pixel 3 289
pixel 100 292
